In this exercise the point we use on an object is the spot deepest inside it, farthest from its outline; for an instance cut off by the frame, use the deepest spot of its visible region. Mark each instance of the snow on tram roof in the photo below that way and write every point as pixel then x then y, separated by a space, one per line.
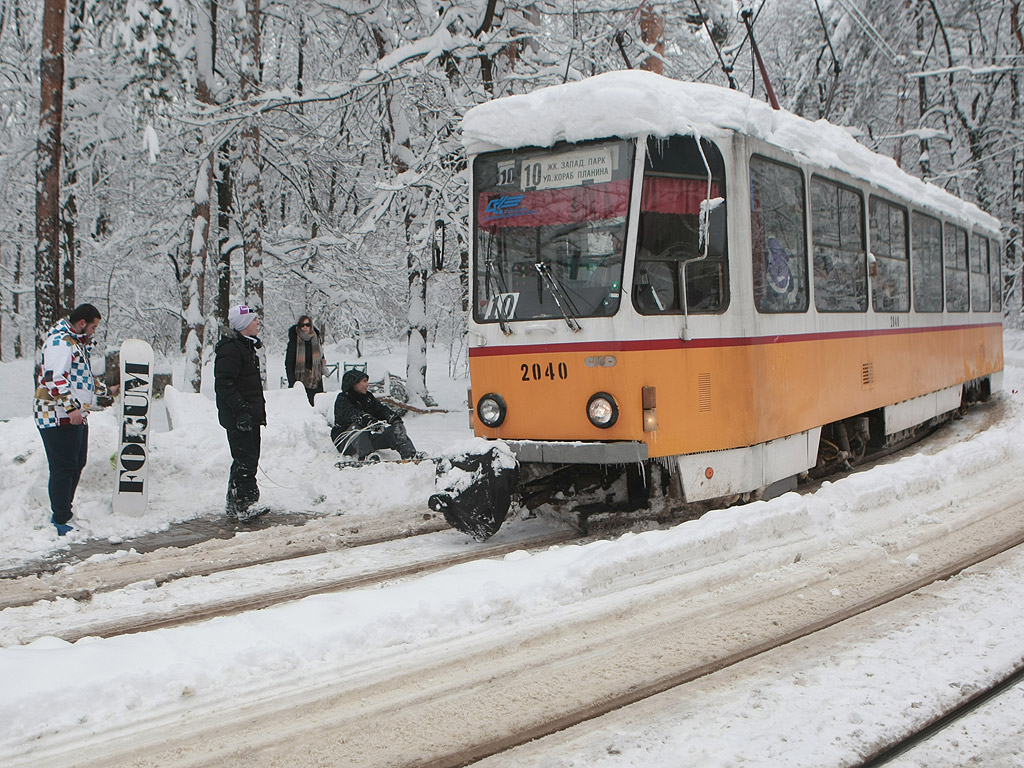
pixel 634 103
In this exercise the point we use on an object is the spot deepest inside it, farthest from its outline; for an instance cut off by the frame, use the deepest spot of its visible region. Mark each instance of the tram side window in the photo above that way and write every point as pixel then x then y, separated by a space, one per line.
pixel 889 246
pixel 995 265
pixel 926 262
pixel 840 275
pixel 669 247
pixel 778 236
pixel 955 249
pixel 980 281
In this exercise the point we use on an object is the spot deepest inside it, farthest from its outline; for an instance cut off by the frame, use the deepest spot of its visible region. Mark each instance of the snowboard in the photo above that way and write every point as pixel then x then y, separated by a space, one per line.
pixel 352 461
pixel 131 483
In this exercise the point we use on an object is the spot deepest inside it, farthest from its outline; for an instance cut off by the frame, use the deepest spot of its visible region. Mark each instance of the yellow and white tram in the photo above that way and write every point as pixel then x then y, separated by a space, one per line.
pixel 676 272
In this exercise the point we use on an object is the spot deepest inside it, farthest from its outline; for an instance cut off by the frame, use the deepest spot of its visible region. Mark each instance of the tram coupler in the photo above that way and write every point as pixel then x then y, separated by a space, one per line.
pixel 474 490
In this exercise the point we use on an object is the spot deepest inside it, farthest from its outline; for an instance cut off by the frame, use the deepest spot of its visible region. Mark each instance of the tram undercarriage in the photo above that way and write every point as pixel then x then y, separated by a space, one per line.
pixel 475 491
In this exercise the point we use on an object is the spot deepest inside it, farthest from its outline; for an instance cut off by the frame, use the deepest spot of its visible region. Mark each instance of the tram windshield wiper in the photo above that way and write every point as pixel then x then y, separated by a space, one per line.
pixel 562 301
pixel 493 282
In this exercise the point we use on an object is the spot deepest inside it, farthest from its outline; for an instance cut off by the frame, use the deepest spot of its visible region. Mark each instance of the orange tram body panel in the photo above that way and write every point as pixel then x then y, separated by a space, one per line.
pixel 726 393
pixel 697 280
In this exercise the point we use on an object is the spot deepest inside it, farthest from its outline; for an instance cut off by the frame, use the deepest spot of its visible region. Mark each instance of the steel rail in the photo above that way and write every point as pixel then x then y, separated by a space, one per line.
pixel 891 751
pixel 232 606
pixel 466 757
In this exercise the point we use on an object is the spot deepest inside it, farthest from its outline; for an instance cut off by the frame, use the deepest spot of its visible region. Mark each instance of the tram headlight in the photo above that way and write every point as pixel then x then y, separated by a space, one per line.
pixel 491 410
pixel 602 410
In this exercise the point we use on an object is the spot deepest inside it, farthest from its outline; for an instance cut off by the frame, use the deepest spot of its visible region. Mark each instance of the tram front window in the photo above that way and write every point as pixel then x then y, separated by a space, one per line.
pixel 550 228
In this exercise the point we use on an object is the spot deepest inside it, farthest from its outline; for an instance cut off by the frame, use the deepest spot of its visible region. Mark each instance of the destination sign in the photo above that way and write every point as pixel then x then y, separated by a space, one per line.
pixel 569 169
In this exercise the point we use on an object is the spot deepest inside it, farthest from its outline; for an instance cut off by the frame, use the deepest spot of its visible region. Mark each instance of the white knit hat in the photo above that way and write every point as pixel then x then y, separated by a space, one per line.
pixel 239 317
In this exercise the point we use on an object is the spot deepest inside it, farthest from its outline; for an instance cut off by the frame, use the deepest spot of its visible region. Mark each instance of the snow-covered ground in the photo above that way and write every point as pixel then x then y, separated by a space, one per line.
pixel 189 464
pixel 793 711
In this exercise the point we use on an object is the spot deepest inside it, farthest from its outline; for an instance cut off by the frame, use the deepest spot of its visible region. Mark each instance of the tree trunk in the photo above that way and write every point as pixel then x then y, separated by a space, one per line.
pixel 924 159
pixel 224 216
pixel 250 192
pixel 416 353
pixel 486 62
pixel 652 32
pixel 3 309
pixel 463 269
pixel 69 211
pixel 1015 241
pixel 19 349
pixel 193 282
pixel 220 166
pixel 69 253
pixel 48 157
pixel 193 278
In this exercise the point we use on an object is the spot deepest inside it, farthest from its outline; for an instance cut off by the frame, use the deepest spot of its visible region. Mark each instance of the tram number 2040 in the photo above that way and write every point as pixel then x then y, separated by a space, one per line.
pixel 539 372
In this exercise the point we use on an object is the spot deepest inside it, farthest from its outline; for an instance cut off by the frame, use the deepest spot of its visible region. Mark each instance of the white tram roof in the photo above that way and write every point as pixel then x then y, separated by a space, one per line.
pixel 633 103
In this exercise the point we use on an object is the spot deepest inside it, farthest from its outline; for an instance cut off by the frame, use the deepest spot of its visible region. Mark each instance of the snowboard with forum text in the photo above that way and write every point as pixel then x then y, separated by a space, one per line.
pixel 131 467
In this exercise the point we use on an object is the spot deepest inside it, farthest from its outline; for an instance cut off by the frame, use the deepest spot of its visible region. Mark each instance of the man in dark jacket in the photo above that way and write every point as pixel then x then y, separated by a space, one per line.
pixel 363 423
pixel 241 408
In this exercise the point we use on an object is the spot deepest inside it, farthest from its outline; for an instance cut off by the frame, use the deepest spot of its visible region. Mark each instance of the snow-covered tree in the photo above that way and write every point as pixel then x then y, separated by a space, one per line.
pixel 314 151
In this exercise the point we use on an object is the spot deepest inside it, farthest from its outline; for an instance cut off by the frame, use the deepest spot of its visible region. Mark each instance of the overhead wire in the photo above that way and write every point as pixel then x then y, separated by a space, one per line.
pixel 726 68
pixel 620 36
pixel 872 32
pixel 739 48
pixel 836 67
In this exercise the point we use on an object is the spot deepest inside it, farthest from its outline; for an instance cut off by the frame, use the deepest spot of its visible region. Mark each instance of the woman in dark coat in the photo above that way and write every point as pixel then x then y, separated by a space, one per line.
pixel 304 359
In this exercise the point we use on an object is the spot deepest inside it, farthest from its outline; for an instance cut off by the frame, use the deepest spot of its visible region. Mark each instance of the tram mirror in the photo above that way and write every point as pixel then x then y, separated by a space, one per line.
pixel 716 232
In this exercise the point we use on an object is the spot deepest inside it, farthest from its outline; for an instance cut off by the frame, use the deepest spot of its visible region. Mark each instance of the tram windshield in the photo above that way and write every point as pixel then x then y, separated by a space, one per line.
pixel 550 228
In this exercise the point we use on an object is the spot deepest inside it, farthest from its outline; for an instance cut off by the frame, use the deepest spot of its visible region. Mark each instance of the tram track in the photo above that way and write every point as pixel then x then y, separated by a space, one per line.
pixel 681 677
pixel 259 583
pixel 527 679
pixel 296 548
pixel 212 554
pixel 889 752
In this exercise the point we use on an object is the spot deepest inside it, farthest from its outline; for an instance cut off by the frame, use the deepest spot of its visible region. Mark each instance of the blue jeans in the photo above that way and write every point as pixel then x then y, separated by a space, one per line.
pixel 66 452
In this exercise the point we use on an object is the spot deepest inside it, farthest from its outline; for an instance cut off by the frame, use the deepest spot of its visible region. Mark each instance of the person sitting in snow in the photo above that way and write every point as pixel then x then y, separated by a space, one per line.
pixel 362 423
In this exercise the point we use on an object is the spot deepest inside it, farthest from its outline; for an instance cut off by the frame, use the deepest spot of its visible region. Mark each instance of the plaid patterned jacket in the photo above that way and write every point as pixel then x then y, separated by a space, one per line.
pixel 65 380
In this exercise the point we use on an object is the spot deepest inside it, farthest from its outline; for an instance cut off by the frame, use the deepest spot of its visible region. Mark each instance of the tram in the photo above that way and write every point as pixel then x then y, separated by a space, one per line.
pixel 676 282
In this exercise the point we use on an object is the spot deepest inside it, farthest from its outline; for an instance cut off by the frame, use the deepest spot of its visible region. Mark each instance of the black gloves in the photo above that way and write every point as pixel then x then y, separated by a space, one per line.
pixel 243 421
pixel 378 427
pixel 364 420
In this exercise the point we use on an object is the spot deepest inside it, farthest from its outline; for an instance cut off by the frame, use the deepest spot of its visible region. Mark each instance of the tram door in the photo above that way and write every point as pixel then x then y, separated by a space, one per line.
pixel 670 252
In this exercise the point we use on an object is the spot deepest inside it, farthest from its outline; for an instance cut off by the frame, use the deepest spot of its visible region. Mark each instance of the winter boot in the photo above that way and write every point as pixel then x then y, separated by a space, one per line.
pixel 252 513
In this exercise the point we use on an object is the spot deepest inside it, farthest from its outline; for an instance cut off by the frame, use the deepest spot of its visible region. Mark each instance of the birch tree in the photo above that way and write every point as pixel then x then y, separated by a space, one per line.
pixel 249 164
pixel 193 279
